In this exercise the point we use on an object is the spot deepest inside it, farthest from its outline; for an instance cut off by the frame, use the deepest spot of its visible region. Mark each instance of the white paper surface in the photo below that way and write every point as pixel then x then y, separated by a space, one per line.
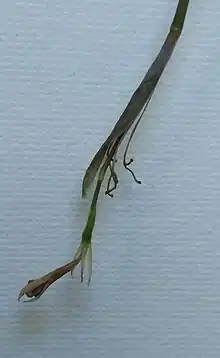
pixel 67 70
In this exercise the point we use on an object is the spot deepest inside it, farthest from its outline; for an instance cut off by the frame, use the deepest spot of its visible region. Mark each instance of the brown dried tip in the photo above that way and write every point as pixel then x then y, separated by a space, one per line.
pixel 35 288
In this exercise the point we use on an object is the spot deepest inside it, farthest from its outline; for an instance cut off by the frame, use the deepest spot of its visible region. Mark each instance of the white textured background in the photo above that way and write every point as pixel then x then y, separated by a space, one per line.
pixel 67 70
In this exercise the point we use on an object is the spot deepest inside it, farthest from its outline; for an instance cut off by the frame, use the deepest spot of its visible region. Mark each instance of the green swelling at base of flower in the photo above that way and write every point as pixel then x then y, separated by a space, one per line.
pixel 85 249
pixel 106 157
pixel 84 252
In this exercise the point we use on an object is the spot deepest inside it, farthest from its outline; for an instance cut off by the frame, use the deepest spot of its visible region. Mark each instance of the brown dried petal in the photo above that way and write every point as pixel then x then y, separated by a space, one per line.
pixel 35 288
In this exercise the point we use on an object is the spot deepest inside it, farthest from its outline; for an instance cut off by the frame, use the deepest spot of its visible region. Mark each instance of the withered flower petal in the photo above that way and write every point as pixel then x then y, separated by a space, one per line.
pixel 35 288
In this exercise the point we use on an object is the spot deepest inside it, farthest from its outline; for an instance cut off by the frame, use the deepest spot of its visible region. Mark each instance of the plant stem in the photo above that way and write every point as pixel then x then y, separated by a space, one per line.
pixel 105 157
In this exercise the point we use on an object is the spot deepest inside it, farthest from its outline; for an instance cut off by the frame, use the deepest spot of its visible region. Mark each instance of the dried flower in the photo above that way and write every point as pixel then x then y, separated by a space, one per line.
pixel 106 156
pixel 35 288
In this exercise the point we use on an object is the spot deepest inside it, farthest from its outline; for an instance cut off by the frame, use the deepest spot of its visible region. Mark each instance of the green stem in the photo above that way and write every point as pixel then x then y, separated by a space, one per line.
pixel 86 241
pixel 87 232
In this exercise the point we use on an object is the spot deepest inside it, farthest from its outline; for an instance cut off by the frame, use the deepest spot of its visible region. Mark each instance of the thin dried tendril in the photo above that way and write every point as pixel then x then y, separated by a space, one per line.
pixel 126 162
pixel 113 176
